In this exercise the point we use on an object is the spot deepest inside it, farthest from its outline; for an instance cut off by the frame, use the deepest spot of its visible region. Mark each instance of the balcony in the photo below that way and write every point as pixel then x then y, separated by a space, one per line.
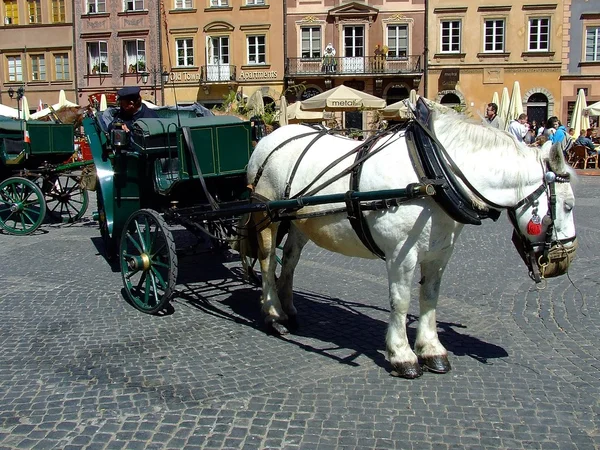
pixel 217 73
pixel 363 65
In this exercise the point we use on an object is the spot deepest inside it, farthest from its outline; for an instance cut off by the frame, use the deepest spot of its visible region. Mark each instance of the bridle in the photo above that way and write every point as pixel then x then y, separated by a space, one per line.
pixel 550 257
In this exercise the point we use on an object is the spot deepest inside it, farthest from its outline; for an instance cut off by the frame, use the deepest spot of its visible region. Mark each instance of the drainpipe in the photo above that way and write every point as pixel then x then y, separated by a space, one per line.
pixel 160 59
pixel 426 49
pixel 285 50
pixel 74 52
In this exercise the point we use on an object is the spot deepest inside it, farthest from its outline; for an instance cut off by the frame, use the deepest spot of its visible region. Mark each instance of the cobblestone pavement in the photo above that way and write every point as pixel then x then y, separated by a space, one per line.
pixel 82 369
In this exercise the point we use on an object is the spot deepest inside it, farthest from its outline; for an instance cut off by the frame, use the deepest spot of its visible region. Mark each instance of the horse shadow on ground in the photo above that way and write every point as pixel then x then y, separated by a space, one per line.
pixel 328 326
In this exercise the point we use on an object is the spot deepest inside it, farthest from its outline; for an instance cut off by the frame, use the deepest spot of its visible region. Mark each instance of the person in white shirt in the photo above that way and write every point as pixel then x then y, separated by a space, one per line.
pixel 518 127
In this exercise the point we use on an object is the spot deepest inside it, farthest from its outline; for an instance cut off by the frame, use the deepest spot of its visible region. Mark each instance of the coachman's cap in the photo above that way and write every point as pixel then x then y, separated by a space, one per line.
pixel 129 93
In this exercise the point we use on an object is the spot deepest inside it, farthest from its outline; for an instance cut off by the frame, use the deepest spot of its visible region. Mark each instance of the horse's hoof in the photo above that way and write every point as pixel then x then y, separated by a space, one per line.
pixel 277 329
pixel 436 364
pixel 407 370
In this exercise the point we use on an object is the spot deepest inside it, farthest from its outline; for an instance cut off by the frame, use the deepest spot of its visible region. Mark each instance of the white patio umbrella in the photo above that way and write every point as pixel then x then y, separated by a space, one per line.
pixel 46 111
pixel 579 121
pixel 515 107
pixel 256 103
pixel 25 109
pixel 496 99
pixel 343 98
pixel 7 111
pixel 593 109
pixel 503 105
pixel 296 114
pixel 398 110
pixel 103 103
pixel 62 100
pixel 283 106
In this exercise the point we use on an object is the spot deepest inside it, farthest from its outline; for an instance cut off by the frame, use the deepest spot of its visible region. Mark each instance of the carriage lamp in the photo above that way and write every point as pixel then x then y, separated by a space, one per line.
pixel 145 76
pixel 165 77
pixel 328 83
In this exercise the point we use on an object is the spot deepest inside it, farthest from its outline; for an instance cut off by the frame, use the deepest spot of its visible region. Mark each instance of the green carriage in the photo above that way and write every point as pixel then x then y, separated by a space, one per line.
pixel 38 175
pixel 172 170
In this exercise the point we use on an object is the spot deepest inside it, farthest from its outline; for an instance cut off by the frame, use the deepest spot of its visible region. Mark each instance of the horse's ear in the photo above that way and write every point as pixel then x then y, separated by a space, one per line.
pixel 556 158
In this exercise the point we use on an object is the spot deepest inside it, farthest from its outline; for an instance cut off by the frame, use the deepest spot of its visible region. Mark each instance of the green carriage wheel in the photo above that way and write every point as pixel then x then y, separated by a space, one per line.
pixel 148 261
pixel 22 206
pixel 66 201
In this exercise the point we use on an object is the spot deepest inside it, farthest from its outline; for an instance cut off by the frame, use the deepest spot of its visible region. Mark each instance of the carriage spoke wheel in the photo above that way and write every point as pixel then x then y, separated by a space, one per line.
pixel 66 202
pixel 22 206
pixel 148 261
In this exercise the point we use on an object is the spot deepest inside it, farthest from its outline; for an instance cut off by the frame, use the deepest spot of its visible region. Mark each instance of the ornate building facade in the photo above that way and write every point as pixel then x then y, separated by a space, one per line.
pixel 476 49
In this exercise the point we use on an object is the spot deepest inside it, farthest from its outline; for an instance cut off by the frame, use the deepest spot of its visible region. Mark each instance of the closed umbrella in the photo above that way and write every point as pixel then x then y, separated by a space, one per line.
pixel 503 106
pixel 283 106
pixel 412 96
pixel 343 98
pixel 25 109
pixel 103 103
pixel 496 99
pixel 256 103
pixel 579 121
pixel 515 107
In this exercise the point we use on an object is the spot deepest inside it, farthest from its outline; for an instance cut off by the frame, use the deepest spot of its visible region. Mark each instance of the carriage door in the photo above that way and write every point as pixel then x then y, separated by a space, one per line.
pixel 354 49
pixel 537 108
pixel 217 59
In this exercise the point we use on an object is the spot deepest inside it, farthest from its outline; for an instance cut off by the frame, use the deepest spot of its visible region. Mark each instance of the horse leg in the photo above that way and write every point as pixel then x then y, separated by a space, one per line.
pixel 400 274
pixel 428 347
pixel 270 305
pixel 294 243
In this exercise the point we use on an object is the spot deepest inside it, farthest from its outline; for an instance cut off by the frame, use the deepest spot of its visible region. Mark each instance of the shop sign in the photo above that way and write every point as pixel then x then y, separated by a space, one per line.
pixel 449 78
pixel 258 75
pixel 184 76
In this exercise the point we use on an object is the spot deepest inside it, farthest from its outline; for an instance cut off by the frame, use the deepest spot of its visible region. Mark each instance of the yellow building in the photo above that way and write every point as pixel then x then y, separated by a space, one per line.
pixel 212 48
pixel 477 48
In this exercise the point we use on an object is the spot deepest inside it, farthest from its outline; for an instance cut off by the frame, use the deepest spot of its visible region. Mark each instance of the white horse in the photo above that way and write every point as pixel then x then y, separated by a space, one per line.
pixel 415 233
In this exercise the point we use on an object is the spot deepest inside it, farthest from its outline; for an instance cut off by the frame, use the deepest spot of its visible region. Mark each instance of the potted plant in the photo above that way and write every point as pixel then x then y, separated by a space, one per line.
pixel 103 67
pixel 96 67
pixel 141 65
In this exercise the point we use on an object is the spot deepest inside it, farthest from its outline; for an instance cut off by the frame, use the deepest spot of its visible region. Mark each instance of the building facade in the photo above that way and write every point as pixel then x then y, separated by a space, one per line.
pixel 376 49
pixel 580 55
pixel 117 41
pixel 478 48
pixel 218 48
pixel 36 50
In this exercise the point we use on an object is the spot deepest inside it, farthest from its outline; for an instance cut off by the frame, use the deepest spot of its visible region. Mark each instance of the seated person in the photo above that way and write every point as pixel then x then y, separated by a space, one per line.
pixel 130 109
pixel 585 139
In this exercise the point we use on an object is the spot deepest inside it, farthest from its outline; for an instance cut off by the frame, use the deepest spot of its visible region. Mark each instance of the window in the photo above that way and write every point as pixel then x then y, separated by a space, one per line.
pixel 61 66
pixel 255 2
pixel 133 5
pixel 97 57
pixel 96 6
pixel 450 36
pixel 58 11
pixel 183 4
pixel 34 9
pixel 256 50
pixel 592 44
pixel 135 56
pixel 397 41
pixel 217 3
pixel 38 68
pixel 185 52
pixel 494 36
pixel 354 41
pixel 311 42
pixel 217 58
pixel 539 34
pixel 11 12
pixel 15 72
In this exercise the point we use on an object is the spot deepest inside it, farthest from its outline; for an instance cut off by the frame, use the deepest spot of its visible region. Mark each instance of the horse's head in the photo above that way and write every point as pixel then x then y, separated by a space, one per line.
pixel 544 224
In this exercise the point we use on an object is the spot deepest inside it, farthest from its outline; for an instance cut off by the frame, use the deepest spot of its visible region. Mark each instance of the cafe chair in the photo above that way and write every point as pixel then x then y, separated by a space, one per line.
pixel 581 159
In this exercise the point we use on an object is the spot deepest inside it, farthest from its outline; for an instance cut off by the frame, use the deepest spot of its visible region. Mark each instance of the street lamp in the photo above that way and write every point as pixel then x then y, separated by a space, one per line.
pixel 156 72
pixel 20 94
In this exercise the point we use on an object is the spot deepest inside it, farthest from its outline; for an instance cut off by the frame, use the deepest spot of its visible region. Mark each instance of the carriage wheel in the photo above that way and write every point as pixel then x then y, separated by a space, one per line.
pixel 66 202
pixel 148 261
pixel 22 206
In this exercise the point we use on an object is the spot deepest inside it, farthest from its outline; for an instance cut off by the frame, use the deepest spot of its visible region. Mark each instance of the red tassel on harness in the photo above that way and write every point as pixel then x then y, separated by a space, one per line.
pixel 534 227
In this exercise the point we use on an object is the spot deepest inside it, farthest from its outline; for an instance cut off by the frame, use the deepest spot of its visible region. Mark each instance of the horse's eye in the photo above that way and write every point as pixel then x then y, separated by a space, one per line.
pixel 569 206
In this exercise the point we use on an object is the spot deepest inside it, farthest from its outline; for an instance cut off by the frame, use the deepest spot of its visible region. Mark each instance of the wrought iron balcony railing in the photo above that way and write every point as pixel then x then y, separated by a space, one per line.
pixel 364 65
pixel 217 73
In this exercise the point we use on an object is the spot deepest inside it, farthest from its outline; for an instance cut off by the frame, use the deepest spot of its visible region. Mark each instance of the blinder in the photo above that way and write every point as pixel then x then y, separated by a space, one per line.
pixel 549 258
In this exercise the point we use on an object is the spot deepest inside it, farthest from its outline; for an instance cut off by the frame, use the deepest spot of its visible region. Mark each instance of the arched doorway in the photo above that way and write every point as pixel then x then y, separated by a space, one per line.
pixel 396 93
pixel 537 108
pixel 450 100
